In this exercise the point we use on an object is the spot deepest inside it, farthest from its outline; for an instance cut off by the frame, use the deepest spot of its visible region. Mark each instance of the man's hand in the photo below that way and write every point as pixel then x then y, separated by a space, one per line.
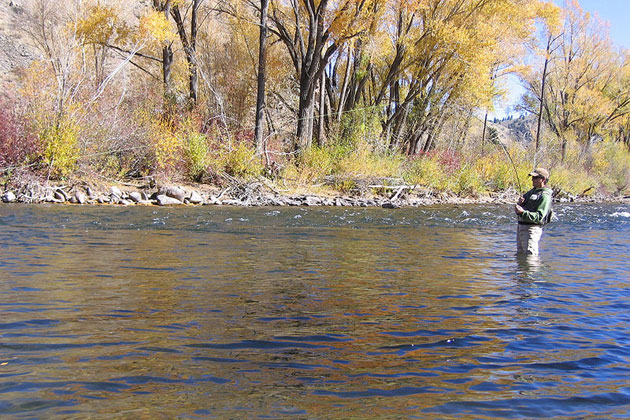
pixel 518 209
pixel 521 200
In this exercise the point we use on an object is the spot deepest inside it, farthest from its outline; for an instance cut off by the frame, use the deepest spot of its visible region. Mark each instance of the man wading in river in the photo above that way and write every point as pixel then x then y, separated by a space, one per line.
pixel 533 211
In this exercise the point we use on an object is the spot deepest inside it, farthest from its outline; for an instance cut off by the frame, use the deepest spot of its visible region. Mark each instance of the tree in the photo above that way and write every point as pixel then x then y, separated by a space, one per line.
pixel 102 26
pixel 578 73
pixel 312 33
pixel 46 25
pixel 446 55
pixel 189 43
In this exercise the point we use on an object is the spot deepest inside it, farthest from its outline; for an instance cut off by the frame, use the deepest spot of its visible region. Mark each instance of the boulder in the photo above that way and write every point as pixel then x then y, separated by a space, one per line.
pixel 174 192
pixel 8 197
pixel 165 200
pixel 390 205
pixel 136 197
pixel 195 198
pixel 213 200
pixel 115 194
pixel 80 197
pixel 312 201
pixel 275 201
pixel 59 196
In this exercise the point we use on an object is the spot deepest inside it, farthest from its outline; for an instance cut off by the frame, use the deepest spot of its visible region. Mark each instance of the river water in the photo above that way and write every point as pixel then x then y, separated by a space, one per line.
pixel 314 313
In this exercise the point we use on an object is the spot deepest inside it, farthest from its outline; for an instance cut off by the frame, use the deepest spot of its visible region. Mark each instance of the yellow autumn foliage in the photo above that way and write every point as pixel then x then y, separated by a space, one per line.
pixel 60 147
pixel 155 28
pixel 102 25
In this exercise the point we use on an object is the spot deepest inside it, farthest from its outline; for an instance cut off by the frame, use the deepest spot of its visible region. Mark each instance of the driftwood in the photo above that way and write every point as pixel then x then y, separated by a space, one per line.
pixel 583 193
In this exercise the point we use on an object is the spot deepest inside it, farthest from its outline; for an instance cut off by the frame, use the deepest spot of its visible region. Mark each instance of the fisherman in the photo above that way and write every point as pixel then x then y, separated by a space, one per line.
pixel 533 211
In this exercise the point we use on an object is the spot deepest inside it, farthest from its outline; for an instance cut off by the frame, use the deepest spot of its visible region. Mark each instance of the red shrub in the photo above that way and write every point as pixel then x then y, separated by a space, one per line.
pixel 450 160
pixel 18 144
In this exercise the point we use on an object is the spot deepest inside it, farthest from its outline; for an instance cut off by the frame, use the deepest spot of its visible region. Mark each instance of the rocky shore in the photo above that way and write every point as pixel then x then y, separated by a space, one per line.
pixel 252 194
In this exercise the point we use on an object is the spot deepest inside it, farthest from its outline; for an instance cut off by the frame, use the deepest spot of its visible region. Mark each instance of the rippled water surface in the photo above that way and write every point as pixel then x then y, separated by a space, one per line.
pixel 211 312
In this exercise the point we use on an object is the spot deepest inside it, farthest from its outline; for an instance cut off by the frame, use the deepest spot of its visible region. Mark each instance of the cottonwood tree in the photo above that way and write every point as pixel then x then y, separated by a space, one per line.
pixel 578 80
pixel 445 55
pixel 188 40
pixel 101 26
pixel 153 30
pixel 313 31
pixel 53 29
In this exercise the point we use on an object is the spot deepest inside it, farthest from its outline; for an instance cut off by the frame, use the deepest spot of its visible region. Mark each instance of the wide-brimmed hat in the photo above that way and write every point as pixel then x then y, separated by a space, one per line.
pixel 540 172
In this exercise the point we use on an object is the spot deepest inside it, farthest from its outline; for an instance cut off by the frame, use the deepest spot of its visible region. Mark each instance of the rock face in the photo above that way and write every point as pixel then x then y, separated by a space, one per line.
pixel 15 50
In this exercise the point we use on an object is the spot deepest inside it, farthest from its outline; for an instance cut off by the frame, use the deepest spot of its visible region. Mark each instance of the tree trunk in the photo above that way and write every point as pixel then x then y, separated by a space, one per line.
pixel 167 54
pixel 262 67
pixel 190 47
pixel 483 133
pixel 321 135
pixel 563 149
pixel 304 132
pixel 344 89
pixel 167 64
pixel 542 101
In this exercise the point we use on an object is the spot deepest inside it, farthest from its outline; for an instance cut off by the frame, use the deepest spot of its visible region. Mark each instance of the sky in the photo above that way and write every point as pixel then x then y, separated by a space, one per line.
pixel 616 13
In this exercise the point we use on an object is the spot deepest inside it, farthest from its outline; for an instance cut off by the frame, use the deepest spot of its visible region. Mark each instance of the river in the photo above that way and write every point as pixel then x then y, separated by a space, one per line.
pixel 315 313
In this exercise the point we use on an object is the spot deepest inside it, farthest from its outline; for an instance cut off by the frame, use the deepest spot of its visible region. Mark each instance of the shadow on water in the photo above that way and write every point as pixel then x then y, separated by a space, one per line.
pixel 311 313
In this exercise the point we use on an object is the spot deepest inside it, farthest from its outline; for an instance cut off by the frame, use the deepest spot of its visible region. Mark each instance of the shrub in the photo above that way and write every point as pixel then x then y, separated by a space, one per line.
pixel 240 161
pixel 196 153
pixel 425 170
pixel 468 181
pixel 611 165
pixel 317 162
pixel 571 179
pixel 166 145
pixel 60 147
pixel 499 172
pixel 18 144
pixel 360 126
pixel 365 162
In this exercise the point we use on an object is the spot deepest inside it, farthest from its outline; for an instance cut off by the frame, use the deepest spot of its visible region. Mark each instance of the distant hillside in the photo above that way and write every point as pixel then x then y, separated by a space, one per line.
pixel 521 129
pixel 15 52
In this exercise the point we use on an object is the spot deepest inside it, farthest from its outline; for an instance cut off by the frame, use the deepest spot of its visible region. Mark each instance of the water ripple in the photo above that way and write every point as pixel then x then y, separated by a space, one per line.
pixel 212 312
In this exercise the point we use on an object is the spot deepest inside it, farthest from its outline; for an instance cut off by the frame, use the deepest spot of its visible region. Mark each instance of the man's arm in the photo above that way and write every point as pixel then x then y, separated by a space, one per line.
pixel 539 214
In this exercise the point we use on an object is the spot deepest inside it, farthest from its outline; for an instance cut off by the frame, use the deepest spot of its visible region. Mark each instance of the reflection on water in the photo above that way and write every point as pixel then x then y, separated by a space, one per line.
pixel 311 313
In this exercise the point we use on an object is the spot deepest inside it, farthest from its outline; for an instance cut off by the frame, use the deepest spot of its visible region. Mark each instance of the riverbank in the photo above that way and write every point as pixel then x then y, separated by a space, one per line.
pixel 257 193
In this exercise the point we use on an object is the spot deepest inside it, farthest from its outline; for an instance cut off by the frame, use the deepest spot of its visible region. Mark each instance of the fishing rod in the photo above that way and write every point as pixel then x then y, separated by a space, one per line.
pixel 513 165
